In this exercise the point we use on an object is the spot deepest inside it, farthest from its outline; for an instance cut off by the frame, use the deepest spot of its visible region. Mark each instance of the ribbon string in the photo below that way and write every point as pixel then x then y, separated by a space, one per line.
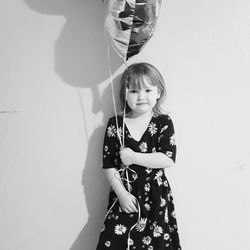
pixel 126 182
pixel 123 173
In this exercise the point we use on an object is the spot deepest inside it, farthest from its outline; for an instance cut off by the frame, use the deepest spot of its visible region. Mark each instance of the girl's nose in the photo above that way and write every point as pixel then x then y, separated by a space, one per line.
pixel 141 95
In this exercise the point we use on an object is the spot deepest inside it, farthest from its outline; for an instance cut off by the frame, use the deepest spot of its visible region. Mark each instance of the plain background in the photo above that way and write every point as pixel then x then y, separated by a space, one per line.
pixel 55 100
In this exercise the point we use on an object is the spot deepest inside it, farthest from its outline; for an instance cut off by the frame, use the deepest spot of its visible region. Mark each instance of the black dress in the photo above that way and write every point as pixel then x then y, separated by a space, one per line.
pixel 154 227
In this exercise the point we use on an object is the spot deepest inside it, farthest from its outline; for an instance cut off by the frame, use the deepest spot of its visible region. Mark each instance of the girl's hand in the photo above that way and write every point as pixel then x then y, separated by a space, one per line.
pixel 128 202
pixel 127 156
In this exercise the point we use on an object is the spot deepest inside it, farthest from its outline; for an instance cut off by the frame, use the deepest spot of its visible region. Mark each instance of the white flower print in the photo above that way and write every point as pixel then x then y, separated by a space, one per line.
pixel 106 148
pixel 147 206
pixel 107 243
pixel 159 138
pixel 169 153
pixel 158 177
pixel 152 128
pixel 120 132
pixel 111 131
pixel 173 214
pixel 165 183
pixel 172 140
pixel 164 128
pixel 170 195
pixel 153 150
pixel 150 248
pixel 147 187
pixel 148 170
pixel 166 236
pixel 120 229
pixel 146 240
pixel 163 202
pixel 141 224
pixel 143 147
pixel 166 215
pixel 157 231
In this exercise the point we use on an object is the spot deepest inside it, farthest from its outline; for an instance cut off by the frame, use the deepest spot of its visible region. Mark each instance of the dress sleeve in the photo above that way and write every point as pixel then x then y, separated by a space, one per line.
pixel 110 146
pixel 166 138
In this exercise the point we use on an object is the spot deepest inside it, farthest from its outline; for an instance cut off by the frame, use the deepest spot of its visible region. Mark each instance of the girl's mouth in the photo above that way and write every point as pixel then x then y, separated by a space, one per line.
pixel 141 103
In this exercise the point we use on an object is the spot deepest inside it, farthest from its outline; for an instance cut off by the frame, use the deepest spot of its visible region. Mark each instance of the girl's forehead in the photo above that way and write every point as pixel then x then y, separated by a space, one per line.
pixel 141 83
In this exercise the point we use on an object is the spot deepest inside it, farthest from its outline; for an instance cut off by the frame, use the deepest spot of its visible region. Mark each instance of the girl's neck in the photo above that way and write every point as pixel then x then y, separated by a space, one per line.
pixel 144 116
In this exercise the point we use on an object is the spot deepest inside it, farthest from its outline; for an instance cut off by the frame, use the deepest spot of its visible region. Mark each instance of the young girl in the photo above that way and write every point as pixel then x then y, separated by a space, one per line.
pixel 141 212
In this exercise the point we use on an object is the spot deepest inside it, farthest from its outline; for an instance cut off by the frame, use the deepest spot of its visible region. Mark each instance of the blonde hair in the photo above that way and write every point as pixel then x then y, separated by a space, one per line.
pixel 134 77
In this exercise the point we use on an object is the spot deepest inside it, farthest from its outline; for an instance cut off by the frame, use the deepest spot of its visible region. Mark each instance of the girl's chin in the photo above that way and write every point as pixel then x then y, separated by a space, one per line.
pixel 142 111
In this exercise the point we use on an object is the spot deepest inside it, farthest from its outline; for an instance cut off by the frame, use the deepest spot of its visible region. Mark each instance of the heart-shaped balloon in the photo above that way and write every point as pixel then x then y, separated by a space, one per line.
pixel 130 24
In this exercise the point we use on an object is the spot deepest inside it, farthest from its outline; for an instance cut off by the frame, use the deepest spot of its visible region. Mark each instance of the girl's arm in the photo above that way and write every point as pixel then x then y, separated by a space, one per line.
pixel 126 200
pixel 149 160
pixel 110 164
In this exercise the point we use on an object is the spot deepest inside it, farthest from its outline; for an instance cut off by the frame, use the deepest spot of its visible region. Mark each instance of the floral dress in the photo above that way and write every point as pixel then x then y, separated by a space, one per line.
pixel 154 227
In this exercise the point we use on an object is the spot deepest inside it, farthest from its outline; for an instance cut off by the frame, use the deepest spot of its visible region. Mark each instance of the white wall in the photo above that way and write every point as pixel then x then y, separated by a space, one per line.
pixel 55 99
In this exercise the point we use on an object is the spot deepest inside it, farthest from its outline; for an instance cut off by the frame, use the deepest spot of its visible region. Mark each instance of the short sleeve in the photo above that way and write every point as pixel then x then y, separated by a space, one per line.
pixel 166 138
pixel 110 145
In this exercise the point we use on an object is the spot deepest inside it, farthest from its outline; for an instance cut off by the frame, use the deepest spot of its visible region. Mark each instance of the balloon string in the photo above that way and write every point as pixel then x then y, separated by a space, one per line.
pixel 124 171
pixel 112 88
pixel 138 221
pixel 125 101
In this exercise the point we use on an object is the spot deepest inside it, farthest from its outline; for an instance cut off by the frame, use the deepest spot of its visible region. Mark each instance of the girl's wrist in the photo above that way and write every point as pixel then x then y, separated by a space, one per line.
pixel 122 193
pixel 135 158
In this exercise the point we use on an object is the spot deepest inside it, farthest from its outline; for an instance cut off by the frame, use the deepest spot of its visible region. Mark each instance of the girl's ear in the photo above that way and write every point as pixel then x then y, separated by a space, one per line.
pixel 158 94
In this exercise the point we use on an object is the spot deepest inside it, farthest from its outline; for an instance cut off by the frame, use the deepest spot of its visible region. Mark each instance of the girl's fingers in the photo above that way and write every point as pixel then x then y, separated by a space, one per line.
pixel 130 209
pixel 134 204
pixel 133 208
pixel 126 211
pixel 134 201
pixel 131 205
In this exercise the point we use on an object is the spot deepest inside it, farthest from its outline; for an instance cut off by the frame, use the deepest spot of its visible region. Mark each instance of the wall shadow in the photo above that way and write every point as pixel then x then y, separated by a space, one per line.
pixel 80 60
pixel 80 54
pixel 95 185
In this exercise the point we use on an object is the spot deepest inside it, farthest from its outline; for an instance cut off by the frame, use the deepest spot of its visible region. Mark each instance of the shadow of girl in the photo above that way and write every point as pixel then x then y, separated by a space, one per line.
pixel 95 184
pixel 80 60
pixel 95 190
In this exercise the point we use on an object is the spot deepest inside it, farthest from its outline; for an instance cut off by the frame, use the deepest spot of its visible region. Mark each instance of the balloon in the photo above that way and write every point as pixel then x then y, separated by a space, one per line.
pixel 130 24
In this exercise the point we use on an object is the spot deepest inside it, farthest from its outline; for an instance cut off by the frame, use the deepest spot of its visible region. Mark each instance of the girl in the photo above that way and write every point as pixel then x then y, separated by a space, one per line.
pixel 141 212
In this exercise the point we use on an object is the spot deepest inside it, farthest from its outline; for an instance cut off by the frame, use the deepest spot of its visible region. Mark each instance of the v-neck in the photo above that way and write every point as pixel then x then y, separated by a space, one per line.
pixel 143 134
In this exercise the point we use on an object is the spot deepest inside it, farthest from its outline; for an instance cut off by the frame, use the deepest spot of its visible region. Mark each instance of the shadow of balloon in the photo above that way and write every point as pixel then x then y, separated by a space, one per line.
pixel 81 49
pixel 80 59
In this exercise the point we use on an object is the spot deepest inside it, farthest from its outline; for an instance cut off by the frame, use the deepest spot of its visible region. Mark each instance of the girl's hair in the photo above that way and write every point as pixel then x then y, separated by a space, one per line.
pixel 134 77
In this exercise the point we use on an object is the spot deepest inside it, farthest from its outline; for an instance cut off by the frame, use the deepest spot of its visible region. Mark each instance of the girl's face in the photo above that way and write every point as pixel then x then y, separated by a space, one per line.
pixel 142 99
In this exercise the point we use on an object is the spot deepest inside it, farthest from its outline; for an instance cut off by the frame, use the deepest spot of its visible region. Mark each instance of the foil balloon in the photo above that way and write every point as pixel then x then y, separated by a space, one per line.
pixel 130 24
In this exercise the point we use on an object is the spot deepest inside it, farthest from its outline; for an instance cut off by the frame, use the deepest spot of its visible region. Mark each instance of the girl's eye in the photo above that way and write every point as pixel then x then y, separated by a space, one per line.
pixel 133 91
pixel 148 90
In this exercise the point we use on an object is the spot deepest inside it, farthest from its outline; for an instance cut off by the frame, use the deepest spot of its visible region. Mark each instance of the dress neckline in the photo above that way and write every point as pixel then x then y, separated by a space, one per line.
pixel 143 134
